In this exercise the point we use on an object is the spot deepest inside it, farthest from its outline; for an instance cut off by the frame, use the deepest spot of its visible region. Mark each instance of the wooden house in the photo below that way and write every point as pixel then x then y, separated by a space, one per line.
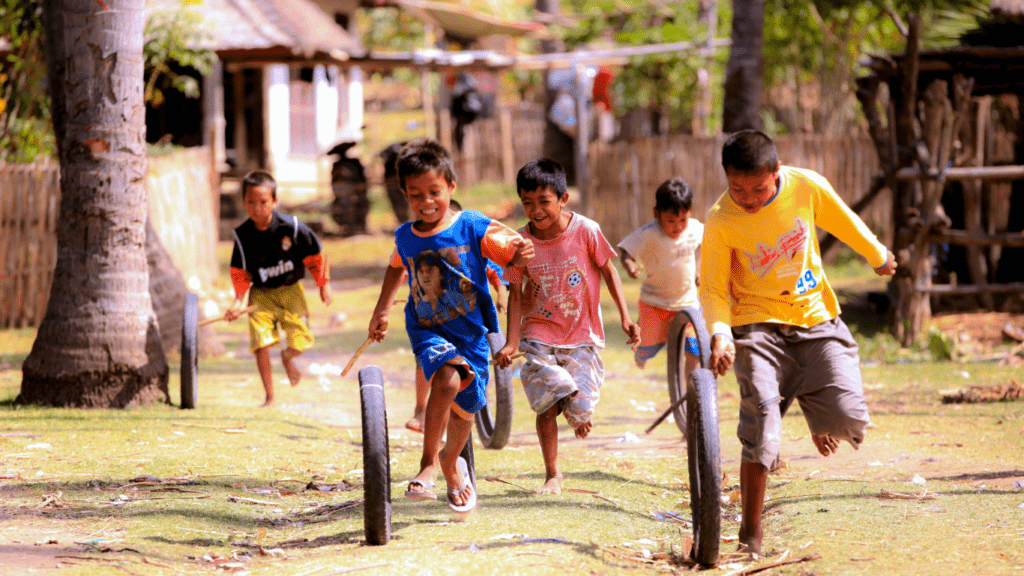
pixel 279 96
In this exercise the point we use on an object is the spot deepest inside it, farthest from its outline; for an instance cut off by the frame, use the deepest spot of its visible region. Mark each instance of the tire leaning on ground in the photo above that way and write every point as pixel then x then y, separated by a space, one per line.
pixel 704 460
pixel 677 369
pixel 190 351
pixel 376 458
pixel 494 427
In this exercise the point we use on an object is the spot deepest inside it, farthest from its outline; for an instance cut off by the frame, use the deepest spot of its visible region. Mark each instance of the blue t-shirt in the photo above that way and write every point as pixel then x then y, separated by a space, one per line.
pixel 450 310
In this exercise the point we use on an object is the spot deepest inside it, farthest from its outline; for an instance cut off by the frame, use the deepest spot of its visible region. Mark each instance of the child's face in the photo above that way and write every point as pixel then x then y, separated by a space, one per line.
pixel 673 223
pixel 543 207
pixel 259 204
pixel 751 191
pixel 429 196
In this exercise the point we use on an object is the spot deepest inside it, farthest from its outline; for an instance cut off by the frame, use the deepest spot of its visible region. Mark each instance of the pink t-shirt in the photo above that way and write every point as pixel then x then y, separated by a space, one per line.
pixel 562 295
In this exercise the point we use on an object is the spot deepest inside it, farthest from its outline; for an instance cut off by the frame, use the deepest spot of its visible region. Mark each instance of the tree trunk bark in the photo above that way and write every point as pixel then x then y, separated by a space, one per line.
pixel 98 345
pixel 744 71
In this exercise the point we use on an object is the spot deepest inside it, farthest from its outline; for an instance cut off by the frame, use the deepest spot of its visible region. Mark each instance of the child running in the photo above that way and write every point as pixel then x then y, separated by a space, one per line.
pixel 669 249
pixel 440 249
pixel 494 277
pixel 763 285
pixel 272 251
pixel 555 319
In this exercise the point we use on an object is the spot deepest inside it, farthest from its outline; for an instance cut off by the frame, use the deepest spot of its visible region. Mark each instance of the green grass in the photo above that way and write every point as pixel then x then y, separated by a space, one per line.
pixel 235 475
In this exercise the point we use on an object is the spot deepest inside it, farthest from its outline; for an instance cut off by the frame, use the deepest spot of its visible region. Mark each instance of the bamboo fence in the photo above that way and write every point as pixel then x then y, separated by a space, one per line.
pixel 181 205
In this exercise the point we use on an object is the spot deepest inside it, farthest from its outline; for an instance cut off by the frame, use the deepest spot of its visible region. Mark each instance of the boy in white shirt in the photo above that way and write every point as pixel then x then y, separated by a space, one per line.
pixel 668 247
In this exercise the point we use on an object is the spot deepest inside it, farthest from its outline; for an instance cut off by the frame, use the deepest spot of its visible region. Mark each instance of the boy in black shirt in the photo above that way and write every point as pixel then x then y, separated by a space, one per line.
pixel 272 252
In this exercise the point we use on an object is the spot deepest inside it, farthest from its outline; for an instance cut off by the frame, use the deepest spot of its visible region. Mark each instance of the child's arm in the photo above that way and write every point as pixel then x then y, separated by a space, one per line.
pixel 514 330
pixel 629 263
pixel 241 281
pixel 320 271
pixel 388 290
pixel 614 283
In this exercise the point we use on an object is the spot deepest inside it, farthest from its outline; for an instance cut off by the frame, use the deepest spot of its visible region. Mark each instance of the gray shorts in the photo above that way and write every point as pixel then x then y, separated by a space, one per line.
pixel 817 366
pixel 551 374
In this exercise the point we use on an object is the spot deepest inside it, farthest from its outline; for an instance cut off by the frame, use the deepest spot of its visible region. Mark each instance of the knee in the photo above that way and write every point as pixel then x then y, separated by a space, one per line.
pixel 446 379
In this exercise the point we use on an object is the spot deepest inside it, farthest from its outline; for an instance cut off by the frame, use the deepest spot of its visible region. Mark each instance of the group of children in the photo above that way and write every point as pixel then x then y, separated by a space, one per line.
pixel 761 285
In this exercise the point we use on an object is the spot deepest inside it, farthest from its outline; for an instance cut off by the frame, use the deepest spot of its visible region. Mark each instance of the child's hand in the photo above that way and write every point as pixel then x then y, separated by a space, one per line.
pixel 889 268
pixel 234 311
pixel 723 352
pixel 378 327
pixel 503 357
pixel 524 252
pixel 325 294
pixel 633 331
pixel 632 269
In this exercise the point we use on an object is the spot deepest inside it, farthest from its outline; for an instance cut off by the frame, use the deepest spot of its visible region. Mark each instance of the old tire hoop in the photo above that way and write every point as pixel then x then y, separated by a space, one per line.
pixel 376 458
pixel 703 456
pixel 190 351
pixel 495 427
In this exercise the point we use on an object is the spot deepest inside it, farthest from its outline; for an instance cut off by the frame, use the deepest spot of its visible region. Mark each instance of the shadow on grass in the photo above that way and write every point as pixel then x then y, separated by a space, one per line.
pixel 779 501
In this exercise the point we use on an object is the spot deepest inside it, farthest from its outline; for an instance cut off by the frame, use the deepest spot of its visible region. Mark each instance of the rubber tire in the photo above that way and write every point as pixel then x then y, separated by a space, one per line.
pixel 190 351
pixel 376 458
pixel 494 432
pixel 467 454
pixel 705 464
pixel 677 370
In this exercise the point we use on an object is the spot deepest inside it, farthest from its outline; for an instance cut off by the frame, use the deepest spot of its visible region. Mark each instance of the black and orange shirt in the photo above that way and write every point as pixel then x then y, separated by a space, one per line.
pixel 277 256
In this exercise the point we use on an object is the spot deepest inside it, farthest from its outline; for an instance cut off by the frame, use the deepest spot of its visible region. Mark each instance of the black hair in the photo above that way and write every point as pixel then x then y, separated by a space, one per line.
pixel 749 151
pixel 673 195
pixel 259 178
pixel 542 173
pixel 455 205
pixel 424 155
pixel 430 258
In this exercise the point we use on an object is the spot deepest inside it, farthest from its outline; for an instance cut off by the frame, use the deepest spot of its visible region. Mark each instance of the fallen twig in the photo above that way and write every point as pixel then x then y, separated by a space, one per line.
pixel 887 495
pixel 235 498
pixel 772 565
pixel 503 481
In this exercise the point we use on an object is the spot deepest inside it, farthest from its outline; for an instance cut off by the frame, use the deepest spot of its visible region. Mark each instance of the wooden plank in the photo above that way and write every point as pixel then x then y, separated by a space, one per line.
pixel 965 173
pixel 970 289
pixel 20 212
pixel 965 238
pixel 7 220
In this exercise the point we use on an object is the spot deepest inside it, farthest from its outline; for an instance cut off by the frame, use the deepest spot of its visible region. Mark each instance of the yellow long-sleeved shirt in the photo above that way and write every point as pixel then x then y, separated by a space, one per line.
pixel 766 267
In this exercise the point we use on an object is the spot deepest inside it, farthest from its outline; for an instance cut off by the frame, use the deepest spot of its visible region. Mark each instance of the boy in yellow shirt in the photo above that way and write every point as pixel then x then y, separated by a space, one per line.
pixel 770 309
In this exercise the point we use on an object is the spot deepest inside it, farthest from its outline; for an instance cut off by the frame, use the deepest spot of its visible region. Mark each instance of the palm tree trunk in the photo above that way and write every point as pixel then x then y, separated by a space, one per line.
pixel 744 71
pixel 98 345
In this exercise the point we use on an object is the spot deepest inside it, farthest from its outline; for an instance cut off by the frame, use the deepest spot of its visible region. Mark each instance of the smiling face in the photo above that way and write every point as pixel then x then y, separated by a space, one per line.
pixel 259 204
pixel 429 195
pixel 544 209
pixel 752 190
pixel 673 223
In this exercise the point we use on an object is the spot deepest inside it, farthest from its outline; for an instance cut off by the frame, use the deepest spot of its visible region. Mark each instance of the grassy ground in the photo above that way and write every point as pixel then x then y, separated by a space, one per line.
pixel 230 488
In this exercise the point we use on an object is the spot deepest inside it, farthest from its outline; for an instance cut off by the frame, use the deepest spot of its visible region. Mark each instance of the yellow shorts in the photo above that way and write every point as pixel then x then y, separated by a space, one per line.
pixel 284 306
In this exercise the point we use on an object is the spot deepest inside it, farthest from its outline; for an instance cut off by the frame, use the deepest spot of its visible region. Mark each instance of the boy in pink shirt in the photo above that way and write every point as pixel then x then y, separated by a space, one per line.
pixel 555 318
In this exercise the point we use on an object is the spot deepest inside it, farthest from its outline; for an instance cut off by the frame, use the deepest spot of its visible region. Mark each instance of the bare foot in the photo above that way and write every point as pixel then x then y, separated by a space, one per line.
pixel 583 430
pixel 825 444
pixel 639 363
pixel 268 402
pixel 416 422
pixel 294 374
pixel 552 486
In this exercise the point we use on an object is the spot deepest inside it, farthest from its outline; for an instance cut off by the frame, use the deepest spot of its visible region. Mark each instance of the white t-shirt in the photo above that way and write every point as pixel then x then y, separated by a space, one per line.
pixel 670 265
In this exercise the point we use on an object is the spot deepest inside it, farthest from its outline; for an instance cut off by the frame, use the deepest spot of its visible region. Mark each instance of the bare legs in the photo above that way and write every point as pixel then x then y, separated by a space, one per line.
pixel 267 374
pixel 753 480
pixel 439 416
pixel 422 389
pixel 547 434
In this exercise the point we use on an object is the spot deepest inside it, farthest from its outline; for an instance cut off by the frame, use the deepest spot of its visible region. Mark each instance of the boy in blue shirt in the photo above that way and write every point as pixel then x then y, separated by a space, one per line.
pixel 448 339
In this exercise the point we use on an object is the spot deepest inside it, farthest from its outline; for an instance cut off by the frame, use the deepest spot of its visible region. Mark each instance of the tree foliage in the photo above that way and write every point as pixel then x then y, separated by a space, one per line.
pixel 666 83
pixel 24 105
pixel 173 40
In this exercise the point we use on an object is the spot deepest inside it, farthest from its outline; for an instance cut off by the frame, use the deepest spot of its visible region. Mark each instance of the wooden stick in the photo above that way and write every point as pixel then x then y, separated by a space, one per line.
pixel 665 414
pixel 512 357
pixel 219 318
pixel 356 355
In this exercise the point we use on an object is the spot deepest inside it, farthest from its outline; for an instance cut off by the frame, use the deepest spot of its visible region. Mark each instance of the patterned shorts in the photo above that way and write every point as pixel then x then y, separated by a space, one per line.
pixel 284 307
pixel 552 373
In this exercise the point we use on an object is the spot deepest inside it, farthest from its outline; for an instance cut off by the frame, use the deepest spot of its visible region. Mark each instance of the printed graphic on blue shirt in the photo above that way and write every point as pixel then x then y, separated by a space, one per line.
pixel 440 291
